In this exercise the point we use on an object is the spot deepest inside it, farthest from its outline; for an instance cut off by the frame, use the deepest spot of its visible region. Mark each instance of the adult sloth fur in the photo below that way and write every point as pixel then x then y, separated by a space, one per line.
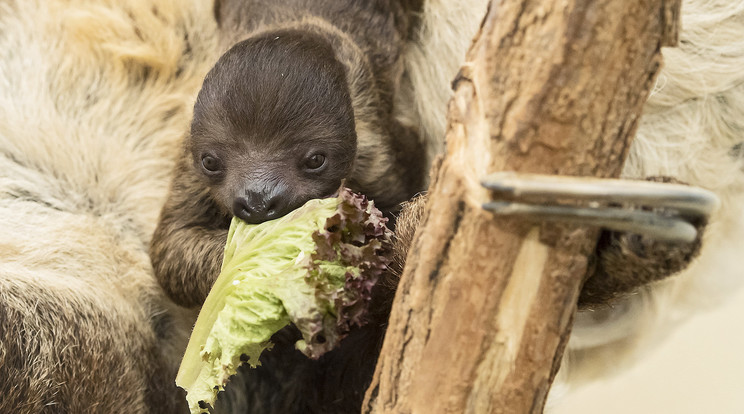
pixel 95 97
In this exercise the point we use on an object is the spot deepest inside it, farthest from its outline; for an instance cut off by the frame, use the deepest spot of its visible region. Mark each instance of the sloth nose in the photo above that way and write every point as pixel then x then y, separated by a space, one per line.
pixel 256 208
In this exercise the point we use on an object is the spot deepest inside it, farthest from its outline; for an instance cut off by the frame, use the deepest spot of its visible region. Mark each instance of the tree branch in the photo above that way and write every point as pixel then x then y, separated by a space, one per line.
pixel 483 309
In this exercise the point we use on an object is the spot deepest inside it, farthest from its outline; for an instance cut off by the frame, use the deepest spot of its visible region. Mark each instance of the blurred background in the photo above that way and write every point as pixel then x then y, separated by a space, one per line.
pixel 698 369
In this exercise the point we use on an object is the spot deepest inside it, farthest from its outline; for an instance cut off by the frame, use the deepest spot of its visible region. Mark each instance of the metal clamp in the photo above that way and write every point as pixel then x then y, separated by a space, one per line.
pixel 612 204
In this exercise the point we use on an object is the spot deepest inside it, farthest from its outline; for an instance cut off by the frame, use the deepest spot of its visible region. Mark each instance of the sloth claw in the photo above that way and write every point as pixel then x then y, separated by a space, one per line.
pixel 662 211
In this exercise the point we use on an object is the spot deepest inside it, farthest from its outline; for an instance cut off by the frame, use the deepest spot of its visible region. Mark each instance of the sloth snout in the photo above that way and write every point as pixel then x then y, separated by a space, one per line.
pixel 256 208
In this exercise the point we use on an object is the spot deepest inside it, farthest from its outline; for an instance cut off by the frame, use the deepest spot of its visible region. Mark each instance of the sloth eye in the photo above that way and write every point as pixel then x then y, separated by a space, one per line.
pixel 315 162
pixel 211 164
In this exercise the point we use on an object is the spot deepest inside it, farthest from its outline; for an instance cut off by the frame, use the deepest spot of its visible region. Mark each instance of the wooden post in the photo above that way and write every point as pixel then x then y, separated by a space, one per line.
pixel 484 307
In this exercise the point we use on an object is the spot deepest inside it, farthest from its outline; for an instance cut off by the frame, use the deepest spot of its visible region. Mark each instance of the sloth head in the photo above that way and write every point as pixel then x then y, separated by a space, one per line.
pixel 273 125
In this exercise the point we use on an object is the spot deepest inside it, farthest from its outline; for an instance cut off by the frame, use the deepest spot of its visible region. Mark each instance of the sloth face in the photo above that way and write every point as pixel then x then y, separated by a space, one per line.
pixel 274 125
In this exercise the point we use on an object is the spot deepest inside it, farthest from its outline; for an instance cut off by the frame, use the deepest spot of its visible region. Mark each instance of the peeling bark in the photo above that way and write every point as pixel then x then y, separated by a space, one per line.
pixel 484 306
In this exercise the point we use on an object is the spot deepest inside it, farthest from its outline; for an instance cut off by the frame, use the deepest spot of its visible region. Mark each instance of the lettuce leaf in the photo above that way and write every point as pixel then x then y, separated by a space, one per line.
pixel 314 267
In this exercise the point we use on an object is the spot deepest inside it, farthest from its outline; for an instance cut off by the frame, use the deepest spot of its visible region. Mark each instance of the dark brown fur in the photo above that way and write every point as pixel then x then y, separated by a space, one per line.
pixel 267 100
pixel 297 75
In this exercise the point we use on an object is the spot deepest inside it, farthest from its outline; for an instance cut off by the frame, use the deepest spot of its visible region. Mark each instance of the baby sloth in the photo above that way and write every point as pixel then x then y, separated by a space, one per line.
pixel 301 104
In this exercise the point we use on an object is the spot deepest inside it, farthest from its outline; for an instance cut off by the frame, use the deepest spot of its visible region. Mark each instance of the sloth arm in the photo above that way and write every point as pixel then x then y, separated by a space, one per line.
pixel 187 246
pixel 625 262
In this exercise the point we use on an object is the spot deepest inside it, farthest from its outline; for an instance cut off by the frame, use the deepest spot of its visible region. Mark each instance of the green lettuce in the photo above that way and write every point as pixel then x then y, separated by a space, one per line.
pixel 314 267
